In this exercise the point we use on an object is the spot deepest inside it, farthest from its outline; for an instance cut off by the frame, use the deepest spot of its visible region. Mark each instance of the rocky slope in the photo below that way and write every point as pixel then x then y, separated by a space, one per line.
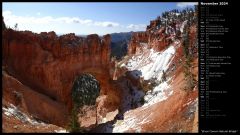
pixel 151 89
pixel 158 77
pixel 17 120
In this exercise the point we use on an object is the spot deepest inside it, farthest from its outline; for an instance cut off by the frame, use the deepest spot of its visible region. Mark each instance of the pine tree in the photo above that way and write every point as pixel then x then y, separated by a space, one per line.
pixel 164 76
pixel 188 58
pixel 84 92
pixel 186 40
pixel 74 125
pixel 3 25
pixel 16 26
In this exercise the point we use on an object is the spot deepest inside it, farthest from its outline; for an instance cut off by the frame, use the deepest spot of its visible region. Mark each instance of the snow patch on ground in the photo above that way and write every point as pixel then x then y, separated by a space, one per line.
pixel 13 111
pixel 148 65
pixel 123 65
pixel 109 116
pixel 133 123
pixel 159 93
pixel 153 64
pixel 61 131
pixel 183 25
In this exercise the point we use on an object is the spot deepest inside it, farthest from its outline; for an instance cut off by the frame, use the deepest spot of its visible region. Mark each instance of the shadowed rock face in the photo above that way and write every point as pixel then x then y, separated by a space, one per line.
pixel 48 64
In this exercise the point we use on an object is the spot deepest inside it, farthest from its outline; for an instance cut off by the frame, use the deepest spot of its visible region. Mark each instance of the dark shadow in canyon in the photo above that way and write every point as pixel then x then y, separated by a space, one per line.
pixel 132 93
pixel 132 98
pixel 104 127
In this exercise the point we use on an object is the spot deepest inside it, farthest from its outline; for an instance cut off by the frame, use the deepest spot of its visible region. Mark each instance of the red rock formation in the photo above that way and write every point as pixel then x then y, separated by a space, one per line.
pixel 48 64
pixel 193 40
pixel 33 102
pixel 159 41
pixel 119 71
pixel 153 24
pixel 156 41
pixel 155 38
pixel 137 38
pixel 132 46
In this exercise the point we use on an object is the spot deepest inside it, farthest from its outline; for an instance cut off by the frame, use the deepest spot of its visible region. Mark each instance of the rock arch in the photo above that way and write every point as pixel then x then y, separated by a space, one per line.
pixel 48 64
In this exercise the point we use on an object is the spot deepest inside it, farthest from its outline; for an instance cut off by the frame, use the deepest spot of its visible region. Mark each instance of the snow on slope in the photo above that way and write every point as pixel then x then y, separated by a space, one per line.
pixel 151 64
pixel 13 111
pixel 158 94
pixel 132 122
pixel 61 131
pixel 183 26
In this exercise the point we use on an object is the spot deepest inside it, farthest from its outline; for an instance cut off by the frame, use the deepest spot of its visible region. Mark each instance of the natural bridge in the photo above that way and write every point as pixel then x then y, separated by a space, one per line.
pixel 46 66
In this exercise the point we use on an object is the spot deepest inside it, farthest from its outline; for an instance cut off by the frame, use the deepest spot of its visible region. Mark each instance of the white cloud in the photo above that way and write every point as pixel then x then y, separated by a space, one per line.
pixel 11 18
pixel 137 26
pixel 38 13
pixel 6 13
pixel 106 24
pixel 63 24
pixel 185 4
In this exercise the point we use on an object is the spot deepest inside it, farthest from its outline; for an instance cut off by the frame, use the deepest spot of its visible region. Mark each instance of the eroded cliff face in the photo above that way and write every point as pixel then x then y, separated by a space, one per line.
pixel 154 71
pixel 38 105
pixel 135 42
pixel 48 65
pixel 160 33
pixel 158 41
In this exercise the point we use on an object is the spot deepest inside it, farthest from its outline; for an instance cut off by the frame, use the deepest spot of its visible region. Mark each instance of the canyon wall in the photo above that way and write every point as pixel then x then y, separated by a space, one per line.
pixel 48 64
pixel 134 44
pixel 156 40
pixel 162 31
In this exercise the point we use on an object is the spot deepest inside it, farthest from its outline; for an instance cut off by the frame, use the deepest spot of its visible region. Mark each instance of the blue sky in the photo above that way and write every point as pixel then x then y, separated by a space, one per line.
pixel 85 18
